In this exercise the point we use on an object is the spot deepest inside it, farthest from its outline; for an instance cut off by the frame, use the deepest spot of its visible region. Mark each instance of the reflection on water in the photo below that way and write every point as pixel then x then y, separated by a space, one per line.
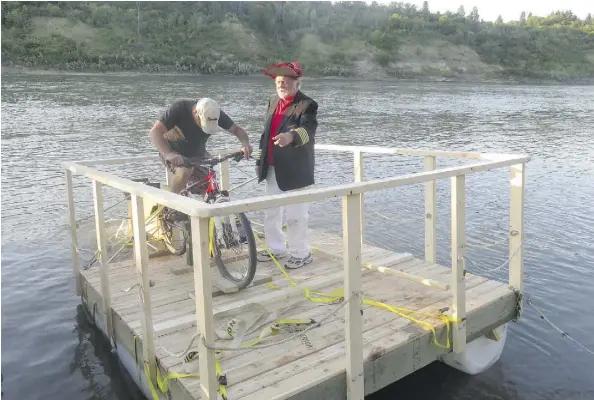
pixel 50 350
pixel 90 339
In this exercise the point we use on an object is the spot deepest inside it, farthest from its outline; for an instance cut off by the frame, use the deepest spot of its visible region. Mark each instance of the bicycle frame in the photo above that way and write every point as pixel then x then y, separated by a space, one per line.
pixel 212 187
pixel 224 232
pixel 212 194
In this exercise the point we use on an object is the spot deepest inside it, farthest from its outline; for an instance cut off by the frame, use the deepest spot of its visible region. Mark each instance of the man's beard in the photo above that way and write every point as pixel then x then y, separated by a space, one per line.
pixel 282 93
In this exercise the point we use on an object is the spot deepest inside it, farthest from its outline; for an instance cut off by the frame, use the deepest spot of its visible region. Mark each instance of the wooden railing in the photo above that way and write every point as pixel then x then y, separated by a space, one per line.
pixel 352 220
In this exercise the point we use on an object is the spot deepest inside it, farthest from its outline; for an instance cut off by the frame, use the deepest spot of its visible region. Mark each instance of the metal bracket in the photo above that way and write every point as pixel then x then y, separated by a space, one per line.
pixel 493 335
pixel 519 302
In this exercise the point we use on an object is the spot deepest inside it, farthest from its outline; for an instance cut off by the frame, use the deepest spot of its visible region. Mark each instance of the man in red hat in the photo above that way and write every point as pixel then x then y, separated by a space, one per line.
pixel 286 162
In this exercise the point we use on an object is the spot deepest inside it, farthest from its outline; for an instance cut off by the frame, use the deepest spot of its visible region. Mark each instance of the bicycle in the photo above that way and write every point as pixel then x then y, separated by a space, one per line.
pixel 225 233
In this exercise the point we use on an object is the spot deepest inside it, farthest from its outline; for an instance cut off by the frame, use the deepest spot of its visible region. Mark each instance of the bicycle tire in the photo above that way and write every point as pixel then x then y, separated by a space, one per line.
pixel 167 240
pixel 252 256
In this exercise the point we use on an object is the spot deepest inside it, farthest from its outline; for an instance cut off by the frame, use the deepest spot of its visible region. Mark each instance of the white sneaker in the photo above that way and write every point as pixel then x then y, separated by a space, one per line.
pixel 264 256
pixel 296 262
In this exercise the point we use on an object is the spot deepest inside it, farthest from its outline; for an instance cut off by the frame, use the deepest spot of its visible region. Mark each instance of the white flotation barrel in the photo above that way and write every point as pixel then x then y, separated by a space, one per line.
pixel 135 371
pixel 480 354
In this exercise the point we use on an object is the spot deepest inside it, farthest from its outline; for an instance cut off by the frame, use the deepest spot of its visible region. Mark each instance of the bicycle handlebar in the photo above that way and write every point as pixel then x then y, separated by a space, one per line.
pixel 237 156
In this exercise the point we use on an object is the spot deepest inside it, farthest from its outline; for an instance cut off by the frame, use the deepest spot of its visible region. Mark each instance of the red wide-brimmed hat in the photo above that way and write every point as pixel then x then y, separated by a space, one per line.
pixel 292 69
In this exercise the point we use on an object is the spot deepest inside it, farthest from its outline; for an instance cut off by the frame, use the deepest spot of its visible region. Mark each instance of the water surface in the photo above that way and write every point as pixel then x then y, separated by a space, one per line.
pixel 49 349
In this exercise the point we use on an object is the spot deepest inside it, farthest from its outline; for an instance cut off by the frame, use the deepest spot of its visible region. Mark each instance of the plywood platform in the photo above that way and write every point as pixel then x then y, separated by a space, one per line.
pixel 311 367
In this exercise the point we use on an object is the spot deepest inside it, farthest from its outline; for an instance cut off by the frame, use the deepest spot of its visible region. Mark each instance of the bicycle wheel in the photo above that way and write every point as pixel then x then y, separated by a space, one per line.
pixel 175 236
pixel 235 237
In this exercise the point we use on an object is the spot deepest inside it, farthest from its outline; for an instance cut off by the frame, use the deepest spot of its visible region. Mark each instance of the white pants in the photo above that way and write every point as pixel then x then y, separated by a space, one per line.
pixel 297 216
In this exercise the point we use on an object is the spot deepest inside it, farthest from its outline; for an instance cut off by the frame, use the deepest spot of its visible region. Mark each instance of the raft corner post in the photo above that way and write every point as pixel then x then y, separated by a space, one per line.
pixel 351 222
pixel 458 262
pixel 102 247
pixel 142 272
pixel 430 213
pixel 516 232
pixel 73 237
pixel 204 311
pixel 358 172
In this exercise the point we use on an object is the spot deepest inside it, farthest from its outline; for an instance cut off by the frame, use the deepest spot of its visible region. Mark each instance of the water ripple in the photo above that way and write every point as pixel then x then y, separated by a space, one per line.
pixel 51 119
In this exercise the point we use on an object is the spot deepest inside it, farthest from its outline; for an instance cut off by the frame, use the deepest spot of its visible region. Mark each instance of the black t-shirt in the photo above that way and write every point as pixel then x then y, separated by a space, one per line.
pixel 184 135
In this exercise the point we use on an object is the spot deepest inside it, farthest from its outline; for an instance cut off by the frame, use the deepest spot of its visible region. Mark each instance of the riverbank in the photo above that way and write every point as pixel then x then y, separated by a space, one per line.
pixel 369 77
pixel 332 40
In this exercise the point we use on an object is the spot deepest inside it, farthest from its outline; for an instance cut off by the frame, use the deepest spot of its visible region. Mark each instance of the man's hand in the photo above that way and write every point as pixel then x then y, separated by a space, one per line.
pixel 243 138
pixel 247 150
pixel 284 139
pixel 174 158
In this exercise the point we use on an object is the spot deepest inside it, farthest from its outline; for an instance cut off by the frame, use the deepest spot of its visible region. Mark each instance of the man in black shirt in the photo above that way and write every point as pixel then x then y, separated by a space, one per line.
pixel 184 129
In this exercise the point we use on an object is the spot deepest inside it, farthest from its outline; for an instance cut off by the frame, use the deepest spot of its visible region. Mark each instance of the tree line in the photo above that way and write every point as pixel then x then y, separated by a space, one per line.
pixel 244 37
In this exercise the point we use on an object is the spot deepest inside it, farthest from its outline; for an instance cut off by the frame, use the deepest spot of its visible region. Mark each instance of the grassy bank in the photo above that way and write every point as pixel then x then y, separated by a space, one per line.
pixel 342 39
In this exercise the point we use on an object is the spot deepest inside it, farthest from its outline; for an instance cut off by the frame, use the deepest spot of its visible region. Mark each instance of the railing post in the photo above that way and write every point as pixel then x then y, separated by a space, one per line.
pixel 204 317
pixel 168 177
pixel 102 247
pixel 430 214
pixel 74 242
pixel 458 254
pixel 351 233
pixel 516 230
pixel 142 263
pixel 358 169
pixel 224 175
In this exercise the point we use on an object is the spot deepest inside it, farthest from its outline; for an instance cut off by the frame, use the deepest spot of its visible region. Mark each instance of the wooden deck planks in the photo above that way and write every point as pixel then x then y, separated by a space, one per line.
pixel 306 309
pixel 249 295
pixel 329 336
pixel 290 367
pixel 394 293
pixel 293 378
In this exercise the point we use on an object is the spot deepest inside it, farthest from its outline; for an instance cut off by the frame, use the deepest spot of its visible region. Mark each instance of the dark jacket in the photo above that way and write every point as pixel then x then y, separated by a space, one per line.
pixel 293 164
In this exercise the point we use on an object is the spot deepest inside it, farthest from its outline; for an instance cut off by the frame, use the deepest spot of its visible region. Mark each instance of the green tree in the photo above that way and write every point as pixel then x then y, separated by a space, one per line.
pixel 425 8
pixel 244 37
pixel 474 15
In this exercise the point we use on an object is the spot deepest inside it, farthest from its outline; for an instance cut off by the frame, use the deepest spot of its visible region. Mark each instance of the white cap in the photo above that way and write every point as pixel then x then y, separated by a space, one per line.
pixel 209 112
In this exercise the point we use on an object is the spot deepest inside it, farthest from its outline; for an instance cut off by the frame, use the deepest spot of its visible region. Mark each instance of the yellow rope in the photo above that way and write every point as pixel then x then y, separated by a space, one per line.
pixel 315 297
pixel 401 311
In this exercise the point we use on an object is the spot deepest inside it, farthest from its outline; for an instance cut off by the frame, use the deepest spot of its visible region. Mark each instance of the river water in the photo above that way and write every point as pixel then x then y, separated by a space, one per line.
pixel 49 349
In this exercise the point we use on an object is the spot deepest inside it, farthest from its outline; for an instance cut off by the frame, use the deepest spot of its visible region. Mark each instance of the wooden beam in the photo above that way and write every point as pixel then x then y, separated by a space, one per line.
pixel 351 233
pixel 73 239
pixel 516 229
pixel 319 194
pixel 168 177
pixel 160 196
pixel 358 172
pixel 224 175
pixel 122 160
pixel 430 213
pixel 410 277
pixel 325 147
pixel 400 151
pixel 204 316
pixel 142 272
pixel 458 254
pixel 102 247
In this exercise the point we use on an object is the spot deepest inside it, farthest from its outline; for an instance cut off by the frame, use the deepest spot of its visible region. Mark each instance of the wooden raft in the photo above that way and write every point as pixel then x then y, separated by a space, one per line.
pixel 393 347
